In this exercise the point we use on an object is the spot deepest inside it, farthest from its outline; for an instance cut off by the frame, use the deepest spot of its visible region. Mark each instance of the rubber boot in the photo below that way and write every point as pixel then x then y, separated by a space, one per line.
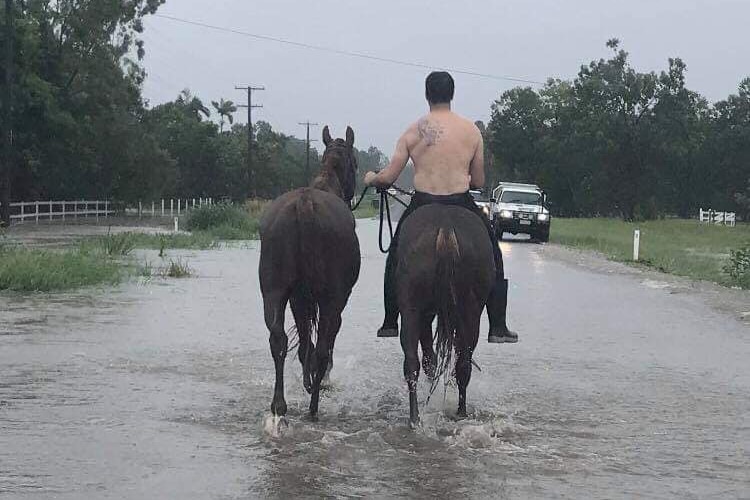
pixel 496 311
pixel 390 323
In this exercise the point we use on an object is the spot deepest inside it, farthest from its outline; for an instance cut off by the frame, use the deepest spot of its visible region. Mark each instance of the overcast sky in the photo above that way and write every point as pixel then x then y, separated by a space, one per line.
pixel 518 38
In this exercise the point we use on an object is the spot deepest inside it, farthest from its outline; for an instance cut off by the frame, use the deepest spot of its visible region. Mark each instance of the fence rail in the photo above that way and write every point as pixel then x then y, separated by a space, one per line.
pixel 721 218
pixel 23 211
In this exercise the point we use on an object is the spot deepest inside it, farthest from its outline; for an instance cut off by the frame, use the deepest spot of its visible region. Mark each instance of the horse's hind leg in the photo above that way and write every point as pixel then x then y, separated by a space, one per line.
pixel 467 336
pixel 301 309
pixel 429 363
pixel 274 305
pixel 328 327
pixel 411 324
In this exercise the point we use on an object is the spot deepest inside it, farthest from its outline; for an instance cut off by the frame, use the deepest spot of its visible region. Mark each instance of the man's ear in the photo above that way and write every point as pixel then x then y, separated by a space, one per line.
pixel 349 136
pixel 327 136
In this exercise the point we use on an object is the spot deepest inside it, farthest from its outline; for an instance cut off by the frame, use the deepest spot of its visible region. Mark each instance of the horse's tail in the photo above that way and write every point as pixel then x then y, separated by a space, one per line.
pixel 310 270
pixel 448 253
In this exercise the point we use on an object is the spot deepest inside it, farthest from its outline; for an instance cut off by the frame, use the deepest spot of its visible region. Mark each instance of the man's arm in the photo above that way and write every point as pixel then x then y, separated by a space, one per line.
pixel 389 174
pixel 476 169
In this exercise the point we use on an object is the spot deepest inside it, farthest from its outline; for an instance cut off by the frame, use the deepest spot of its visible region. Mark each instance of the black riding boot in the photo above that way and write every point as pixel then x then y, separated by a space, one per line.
pixel 390 323
pixel 497 305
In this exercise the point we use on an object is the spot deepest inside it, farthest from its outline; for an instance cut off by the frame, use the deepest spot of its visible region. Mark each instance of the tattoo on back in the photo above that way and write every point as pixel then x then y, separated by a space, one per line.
pixel 429 132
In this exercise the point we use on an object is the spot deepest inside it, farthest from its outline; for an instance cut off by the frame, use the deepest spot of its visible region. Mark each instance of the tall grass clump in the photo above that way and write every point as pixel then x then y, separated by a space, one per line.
pixel 738 267
pixel 30 270
pixel 225 221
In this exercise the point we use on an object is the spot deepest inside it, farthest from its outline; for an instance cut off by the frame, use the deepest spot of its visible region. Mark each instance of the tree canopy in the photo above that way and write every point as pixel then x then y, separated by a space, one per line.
pixel 615 141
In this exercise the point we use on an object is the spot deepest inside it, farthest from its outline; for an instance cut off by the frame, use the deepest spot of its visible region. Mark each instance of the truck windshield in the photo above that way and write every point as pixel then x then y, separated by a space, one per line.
pixel 520 197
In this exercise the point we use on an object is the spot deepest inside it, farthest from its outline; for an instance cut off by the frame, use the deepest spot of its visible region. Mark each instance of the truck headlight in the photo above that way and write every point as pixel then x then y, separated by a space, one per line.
pixel 542 217
pixel 506 214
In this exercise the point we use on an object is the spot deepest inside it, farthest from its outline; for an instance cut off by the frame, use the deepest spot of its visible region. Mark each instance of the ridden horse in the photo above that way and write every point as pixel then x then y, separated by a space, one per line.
pixel 444 267
pixel 309 257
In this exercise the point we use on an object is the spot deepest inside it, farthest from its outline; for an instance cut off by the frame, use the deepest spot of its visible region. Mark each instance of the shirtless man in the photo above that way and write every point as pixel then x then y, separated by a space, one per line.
pixel 448 155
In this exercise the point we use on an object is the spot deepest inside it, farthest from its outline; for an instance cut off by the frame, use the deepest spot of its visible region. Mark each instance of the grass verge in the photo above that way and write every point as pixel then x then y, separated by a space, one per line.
pixel 681 247
pixel 27 270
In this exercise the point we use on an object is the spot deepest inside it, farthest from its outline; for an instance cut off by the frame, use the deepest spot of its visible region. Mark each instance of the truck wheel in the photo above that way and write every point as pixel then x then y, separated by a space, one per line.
pixel 543 235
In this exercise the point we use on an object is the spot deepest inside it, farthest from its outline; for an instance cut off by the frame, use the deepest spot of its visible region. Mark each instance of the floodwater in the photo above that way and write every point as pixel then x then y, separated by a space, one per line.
pixel 622 386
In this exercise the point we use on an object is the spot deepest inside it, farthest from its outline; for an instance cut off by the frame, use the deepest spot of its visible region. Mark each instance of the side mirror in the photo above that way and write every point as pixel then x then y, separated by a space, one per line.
pixel 493 200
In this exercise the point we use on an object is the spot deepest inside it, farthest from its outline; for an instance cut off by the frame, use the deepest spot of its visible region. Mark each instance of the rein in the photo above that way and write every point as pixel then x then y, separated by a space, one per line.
pixel 385 211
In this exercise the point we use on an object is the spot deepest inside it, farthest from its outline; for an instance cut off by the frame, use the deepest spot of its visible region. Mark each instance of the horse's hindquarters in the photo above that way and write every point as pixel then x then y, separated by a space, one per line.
pixel 444 267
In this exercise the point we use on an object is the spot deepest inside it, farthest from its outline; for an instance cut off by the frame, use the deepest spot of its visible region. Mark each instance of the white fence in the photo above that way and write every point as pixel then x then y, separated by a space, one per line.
pixel 714 217
pixel 23 211
pixel 168 208
pixel 51 210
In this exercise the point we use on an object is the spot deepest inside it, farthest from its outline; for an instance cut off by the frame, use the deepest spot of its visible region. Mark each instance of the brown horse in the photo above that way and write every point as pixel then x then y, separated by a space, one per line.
pixel 445 268
pixel 309 257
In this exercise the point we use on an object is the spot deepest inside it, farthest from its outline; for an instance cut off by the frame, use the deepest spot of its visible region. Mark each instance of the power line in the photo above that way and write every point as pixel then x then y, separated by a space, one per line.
pixel 348 53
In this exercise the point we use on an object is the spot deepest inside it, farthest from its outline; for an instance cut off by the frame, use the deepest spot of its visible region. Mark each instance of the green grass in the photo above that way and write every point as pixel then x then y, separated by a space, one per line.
pixel 27 270
pixel 681 247
pixel 226 221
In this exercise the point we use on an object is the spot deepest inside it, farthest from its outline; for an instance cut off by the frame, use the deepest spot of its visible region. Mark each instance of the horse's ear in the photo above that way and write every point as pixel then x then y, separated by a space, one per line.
pixel 349 136
pixel 326 136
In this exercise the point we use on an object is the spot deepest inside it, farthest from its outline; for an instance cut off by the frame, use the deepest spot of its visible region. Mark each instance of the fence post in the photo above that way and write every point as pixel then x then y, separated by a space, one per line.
pixel 176 224
pixel 96 209
pixel 50 209
pixel 36 214
pixel 140 208
pixel 193 202
pixel 22 213
pixel 171 207
pixel 63 210
pixel 179 206
pixel 636 244
pixel 106 209
pixel 153 209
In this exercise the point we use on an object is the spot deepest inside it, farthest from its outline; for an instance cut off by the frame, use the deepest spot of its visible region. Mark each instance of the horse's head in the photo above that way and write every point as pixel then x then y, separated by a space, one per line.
pixel 339 158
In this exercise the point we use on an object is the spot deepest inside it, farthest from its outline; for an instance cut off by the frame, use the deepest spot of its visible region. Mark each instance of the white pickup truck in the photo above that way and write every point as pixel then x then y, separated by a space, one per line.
pixel 520 209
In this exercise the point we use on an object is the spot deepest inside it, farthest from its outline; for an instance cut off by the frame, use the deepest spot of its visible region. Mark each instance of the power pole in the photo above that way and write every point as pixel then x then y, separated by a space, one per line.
pixel 251 185
pixel 307 124
pixel 7 115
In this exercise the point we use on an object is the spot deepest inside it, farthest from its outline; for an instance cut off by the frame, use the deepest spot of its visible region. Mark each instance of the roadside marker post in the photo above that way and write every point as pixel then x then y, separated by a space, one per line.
pixel 176 224
pixel 636 244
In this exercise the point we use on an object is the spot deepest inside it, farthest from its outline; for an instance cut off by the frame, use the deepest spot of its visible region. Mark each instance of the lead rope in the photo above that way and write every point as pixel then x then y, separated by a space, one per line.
pixel 385 211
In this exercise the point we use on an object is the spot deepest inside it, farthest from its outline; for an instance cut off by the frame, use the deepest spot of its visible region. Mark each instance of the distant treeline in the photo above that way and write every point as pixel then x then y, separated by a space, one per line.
pixel 618 142
pixel 82 128
pixel 611 142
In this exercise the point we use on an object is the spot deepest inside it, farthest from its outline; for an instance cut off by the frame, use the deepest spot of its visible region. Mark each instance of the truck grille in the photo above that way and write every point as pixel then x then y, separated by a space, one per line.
pixel 522 215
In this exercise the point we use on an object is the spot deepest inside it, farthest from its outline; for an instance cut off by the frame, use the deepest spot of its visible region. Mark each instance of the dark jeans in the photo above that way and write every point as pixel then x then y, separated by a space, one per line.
pixel 418 200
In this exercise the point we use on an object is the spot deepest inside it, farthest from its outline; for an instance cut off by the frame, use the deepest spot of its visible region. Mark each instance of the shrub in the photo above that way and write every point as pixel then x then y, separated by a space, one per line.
pixel 738 267
pixel 225 221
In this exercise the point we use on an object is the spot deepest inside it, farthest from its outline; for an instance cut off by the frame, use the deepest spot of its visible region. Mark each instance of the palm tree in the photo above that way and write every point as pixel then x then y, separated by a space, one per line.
pixel 193 105
pixel 225 109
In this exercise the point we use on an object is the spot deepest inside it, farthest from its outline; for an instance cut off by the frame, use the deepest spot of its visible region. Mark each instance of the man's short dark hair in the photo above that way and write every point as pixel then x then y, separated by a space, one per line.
pixel 439 87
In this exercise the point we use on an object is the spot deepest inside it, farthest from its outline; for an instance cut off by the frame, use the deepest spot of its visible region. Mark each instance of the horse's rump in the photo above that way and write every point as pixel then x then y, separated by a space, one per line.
pixel 429 236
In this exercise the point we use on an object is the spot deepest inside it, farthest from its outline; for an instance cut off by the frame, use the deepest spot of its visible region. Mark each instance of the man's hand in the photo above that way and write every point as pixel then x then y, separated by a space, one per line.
pixel 370 178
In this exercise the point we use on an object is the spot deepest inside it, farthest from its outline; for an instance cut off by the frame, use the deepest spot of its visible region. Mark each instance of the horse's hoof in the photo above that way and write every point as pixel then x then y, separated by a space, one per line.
pixel 414 424
pixel 278 408
pixel 313 417
pixel 461 415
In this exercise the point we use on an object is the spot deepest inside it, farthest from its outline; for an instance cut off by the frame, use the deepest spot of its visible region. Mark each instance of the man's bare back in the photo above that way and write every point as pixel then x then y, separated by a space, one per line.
pixel 447 152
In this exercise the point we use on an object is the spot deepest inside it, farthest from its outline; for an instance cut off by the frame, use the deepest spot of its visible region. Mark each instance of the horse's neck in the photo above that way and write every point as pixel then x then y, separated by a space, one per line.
pixel 327 180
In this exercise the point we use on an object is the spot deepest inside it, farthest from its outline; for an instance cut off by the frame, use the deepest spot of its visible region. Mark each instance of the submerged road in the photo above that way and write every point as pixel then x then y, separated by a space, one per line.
pixel 623 385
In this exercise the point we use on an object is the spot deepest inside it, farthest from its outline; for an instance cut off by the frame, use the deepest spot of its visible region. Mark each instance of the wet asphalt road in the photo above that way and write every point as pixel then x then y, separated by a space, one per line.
pixel 622 386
